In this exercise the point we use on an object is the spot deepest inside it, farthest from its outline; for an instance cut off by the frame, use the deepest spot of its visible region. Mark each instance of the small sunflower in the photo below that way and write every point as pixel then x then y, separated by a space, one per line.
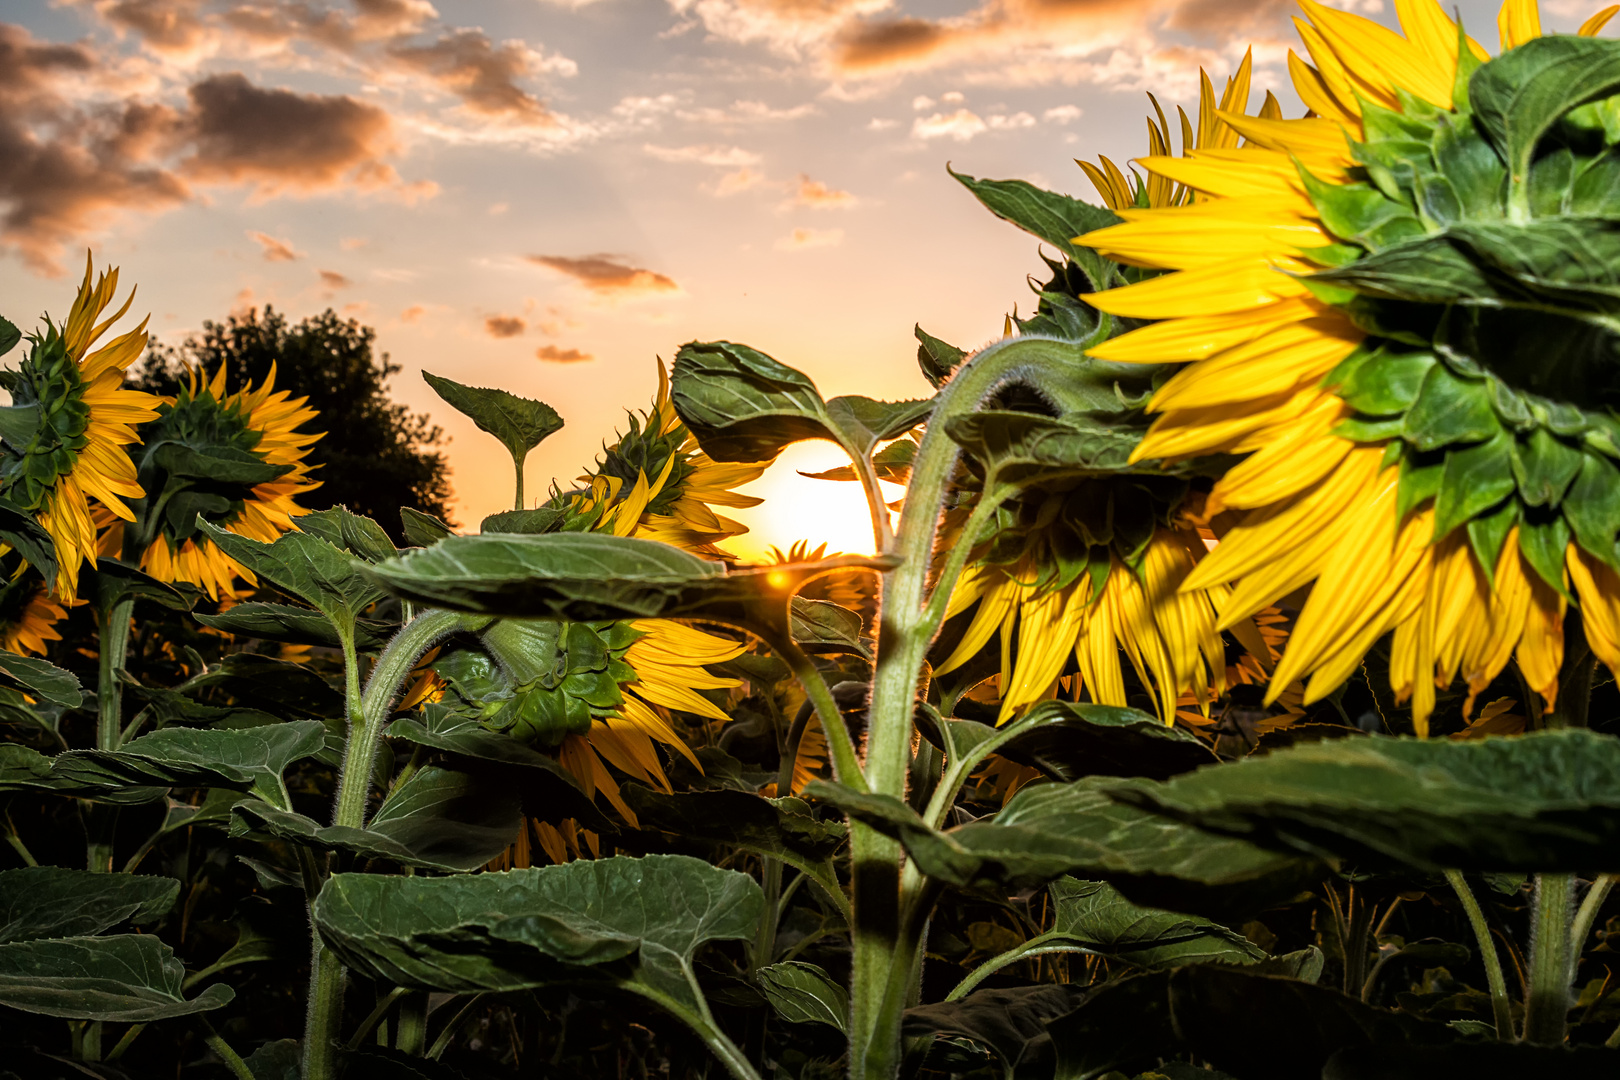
pixel 655 483
pixel 28 611
pixel 237 457
pixel 69 422
pixel 1410 341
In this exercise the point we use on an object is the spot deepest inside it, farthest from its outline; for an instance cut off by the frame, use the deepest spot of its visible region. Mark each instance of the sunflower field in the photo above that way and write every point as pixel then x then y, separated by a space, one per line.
pixel 1231 694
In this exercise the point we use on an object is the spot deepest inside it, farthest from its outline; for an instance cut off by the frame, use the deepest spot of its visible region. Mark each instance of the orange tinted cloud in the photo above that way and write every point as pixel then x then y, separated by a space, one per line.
pixel 799 239
pixel 274 250
pixel 334 280
pixel 818 196
pixel 412 313
pixel 561 356
pixel 482 74
pixel 607 275
pixel 504 326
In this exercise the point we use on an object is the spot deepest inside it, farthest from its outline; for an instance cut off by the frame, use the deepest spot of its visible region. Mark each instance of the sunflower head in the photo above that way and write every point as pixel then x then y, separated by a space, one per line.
pixel 70 419
pixel 28 612
pixel 234 458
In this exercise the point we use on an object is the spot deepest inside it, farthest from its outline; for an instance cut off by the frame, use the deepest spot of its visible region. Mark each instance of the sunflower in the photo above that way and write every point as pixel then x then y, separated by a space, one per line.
pixel 655 483
pixel 28 611
pixel 1404 336
pixel 241 462
pixel 68 424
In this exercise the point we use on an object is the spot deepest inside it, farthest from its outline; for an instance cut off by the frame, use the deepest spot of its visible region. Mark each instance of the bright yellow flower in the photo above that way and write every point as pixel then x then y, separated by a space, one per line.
pixel 1309 504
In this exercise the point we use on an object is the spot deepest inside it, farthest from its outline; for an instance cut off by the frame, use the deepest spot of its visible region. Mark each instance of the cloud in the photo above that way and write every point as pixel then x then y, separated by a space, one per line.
pixel 274 250
pixel 728 157
pixel 412 313
pixel 607 275
pixel 818 196
pixel 1062 114
pixel 285 142
pixel 799 239
pixel 745 112
pixel 1000 122
pixel 791 28
pixel 960 125
pixel 504 326
pixel 878 123
pixel 353 243
pixel 66 171
pixel 334 280
pixel 484 75
pixel 174 28
pixel 741 180
pixel 561 356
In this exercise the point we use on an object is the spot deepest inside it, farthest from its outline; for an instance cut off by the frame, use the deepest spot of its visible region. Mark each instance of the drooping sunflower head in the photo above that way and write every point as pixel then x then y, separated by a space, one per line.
pixel 28 611
pixel 1403 309
pixel 236 458
pixel 655 483
pixel 69 422
pixel 596 693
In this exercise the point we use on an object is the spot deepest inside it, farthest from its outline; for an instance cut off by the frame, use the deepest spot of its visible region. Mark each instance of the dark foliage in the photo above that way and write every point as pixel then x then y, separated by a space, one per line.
pixel 377 455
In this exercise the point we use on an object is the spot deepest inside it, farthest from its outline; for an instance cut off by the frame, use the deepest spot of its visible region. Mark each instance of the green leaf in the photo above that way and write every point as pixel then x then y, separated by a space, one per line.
pixel 1475 479
pixel 112 580
pixel 124 978
pixel 423 530
pixel 741 404
pixel 938 359
pixel 355 533
pixel 519 423
pixel 1520 95
pixel 592 577
pixel 1544 466
pixel 780 828
pixel 1092 915
pixel 1487 534
pixel 1548 801
pixel 51 902
pixel 28 538
pixel 250 759
pixel 1055 218
pixel 307 566
pixel 1026 448
pixel 9 335
pixel 295 626
pixel 995 1024
pixel 449 818
pixel 1381 381
pixel 278 1060
pixel 22 768
pixel 541 520
pixel 639 922
pixel 1593 507
pixel 279 686
pixel 1048 830
pixel 820 627
pixel 804 994
pixel 549 792
pixel 1544 541
pixel 862 422
pixel 1361 213
pixel 44 679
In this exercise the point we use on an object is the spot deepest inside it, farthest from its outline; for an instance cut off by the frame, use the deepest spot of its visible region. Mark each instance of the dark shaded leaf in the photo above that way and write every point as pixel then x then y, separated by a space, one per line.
pixel 1545 801
pixel 354 533
pixel 1092 915
pixel 50 902
pixel 540 520
pixel 1003 1023
pixel 423 530
pixel 45 679
pixel 820 627
pixel 123 978
pixel 307 566
pixel 28 537
pixel 278 1060
pixel 804 994
pixel 295 626
pixel 938 359
pixel 519 929
pixel 1476 1060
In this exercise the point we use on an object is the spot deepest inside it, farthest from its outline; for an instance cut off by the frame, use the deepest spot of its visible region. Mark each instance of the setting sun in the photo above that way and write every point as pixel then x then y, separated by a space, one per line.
pixel 799 508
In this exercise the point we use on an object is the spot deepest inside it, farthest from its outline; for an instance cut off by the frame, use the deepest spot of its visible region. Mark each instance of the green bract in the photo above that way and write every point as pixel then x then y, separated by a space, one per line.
pixel 540 680
pixel 46 425
pixel 1480 250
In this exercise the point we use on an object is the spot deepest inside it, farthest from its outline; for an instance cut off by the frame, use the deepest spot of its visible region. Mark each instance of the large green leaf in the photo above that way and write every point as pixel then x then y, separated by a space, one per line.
pixel 50 902
pixel 1048 830
pixel 22 768
pixel 437 820
pixel 520 424
pixel 249 759
pixel 549 792
pixel 1548 801
pixel 307 566
pixel 295 626
pixel 820 627
pixel 743 405
pixel 860 423
pixel 353 532
pixel 1020 448
pixel 28 538
pixel 124 978
pixel 423 530
pixel 1002 1027
pixel 45 679
pixel 804 994
pixel 1521 94
pixel 590 577
pixel 781 828
pixel 639 922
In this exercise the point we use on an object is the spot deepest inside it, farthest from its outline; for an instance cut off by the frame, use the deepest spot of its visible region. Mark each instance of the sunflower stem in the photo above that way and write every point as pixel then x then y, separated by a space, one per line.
pixel 517 467
pixel 1546 1008
pixel 1500 1009
pixel 114 650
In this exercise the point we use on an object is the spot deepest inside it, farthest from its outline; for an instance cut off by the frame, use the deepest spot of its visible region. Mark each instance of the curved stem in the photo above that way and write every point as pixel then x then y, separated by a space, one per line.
pixel 882 530
pixel 1546 1008
pixel 846 765
pixel 1011 956
pixel 1587 914
pixel 233 1061
pixel 699 1020
pixel 1500 1008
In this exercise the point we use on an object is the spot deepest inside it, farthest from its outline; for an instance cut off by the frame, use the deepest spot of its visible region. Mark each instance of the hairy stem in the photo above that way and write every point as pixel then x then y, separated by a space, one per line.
pixel 1500 1008
pixel 1546 1008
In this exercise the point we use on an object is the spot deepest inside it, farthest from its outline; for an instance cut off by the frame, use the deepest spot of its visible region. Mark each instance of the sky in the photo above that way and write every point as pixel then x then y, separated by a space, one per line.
pixel 549 195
